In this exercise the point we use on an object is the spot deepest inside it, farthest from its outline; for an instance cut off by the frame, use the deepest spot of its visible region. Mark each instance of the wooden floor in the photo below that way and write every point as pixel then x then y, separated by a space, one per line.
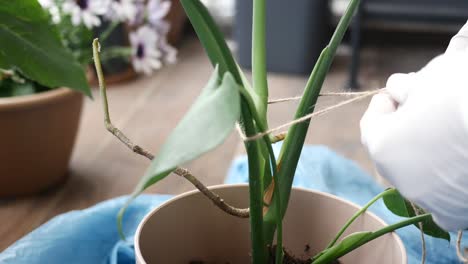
pixel 149 108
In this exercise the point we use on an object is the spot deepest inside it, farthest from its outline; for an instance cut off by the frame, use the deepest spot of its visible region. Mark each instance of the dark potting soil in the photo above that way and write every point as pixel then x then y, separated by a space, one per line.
pixel 287 259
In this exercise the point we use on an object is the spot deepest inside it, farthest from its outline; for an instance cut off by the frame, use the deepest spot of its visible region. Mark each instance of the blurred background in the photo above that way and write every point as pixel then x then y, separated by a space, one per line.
pixel 387 36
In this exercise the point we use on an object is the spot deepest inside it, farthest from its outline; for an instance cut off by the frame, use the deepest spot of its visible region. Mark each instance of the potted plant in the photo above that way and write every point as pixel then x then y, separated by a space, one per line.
pixel 135 32
pixel 39 118
pixel 45 49
pixel 266 221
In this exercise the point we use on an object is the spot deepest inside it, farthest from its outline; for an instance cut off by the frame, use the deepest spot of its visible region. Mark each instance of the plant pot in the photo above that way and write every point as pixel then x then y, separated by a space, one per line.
pixel 37 137
pixel 120 70
pixel 117 70
pixel 190 228
pixel 176 18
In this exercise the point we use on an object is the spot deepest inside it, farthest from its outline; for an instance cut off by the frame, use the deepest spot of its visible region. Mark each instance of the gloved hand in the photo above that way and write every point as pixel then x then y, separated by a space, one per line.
pixel 416 132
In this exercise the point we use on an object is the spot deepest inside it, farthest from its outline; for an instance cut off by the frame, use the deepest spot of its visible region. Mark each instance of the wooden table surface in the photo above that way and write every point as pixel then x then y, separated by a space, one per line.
pixel 148 108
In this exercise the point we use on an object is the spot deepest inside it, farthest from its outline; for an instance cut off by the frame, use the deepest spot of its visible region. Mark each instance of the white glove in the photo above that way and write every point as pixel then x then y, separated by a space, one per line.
pixel 416 132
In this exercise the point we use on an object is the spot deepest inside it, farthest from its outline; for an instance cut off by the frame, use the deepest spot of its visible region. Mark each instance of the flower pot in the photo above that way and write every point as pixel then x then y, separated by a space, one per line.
pixel 36 137
pixel 117 70
pixel 189 228
pixel 176 18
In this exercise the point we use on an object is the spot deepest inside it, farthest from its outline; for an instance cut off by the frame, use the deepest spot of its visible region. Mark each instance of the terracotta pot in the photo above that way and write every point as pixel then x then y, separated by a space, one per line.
pixel 189 228
pixel 122 77
pixel 36 137
pixel 176 18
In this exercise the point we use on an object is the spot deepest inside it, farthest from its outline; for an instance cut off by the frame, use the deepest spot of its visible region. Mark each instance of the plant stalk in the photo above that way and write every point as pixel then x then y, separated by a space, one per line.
pixel 259 71
pixel 109 31
pixel 292 147
pixel 182 172
pixel 357 214
pixel 259 249
pixel 326 257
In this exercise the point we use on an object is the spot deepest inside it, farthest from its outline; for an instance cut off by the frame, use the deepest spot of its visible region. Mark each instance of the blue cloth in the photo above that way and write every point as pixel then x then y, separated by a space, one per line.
pixel 90 236
pixel 86 236
pixel 321 169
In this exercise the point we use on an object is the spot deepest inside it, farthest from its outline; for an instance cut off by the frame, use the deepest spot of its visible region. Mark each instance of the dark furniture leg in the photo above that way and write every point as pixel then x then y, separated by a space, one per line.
pixel 353 82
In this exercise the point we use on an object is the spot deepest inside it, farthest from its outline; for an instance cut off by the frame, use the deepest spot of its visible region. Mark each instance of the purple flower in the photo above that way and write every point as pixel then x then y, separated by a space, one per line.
pixel 146 57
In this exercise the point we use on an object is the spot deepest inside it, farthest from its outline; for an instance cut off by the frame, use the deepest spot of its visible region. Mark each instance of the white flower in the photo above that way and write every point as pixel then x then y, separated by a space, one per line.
pixel 169 53
pixel 85 12
pixel 52 8
pixel 157 11
pixel 146 57
pixel 122 10
pixel 140 13
pixel 46 3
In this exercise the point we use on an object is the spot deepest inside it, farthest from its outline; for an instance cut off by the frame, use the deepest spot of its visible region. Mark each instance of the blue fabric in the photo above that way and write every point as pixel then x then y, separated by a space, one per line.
pixel 90 236
pixel 86 236
pixel 321 169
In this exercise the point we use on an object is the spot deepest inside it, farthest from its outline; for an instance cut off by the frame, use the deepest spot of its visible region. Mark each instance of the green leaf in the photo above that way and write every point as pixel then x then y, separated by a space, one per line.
pixel 218 51
pixel 208 122
pixel 398 205
pixel 213 41
pixel 292 146
pixel 293 143
pixel 23 89
pixel 347 244
pixel 211 38
pixel 31 44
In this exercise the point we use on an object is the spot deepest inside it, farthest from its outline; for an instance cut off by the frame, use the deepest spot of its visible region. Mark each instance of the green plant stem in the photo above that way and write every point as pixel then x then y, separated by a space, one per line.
pixel 259 71
pixel 273 168
pixel 109 31
pixel 293 143
pixel 259 249
pixel 217 50
pixel 357 214
pixel 297 133
pixel 326 257
pixel 102 84
pixel 277 198
pixel 260 85
pixel 116 52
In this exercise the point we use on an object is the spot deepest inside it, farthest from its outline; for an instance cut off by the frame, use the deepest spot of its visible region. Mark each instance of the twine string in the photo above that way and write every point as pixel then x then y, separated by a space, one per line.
pixel 460 254
pixel 358 96
pixel 296 98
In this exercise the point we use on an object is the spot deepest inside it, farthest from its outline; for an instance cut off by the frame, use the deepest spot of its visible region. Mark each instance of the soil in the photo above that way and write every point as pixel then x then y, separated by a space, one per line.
pixel 291 259
pixel 287 259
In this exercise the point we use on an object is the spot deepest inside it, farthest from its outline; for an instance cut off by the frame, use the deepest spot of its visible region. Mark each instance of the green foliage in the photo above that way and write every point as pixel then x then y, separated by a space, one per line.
pixel 76 38
pixel 398 205
pixel 32 45
pixel 354 241
pixel 253 118
pixel 259 66
pixel 292 146
pixel 211 38
pixel 208 122
pixel 217 50
pixel 341 248
pixel 16 86
pixel 225 101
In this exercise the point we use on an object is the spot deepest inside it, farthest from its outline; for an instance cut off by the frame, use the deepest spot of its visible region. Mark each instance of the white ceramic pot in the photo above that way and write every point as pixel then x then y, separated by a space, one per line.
pixel 190 229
